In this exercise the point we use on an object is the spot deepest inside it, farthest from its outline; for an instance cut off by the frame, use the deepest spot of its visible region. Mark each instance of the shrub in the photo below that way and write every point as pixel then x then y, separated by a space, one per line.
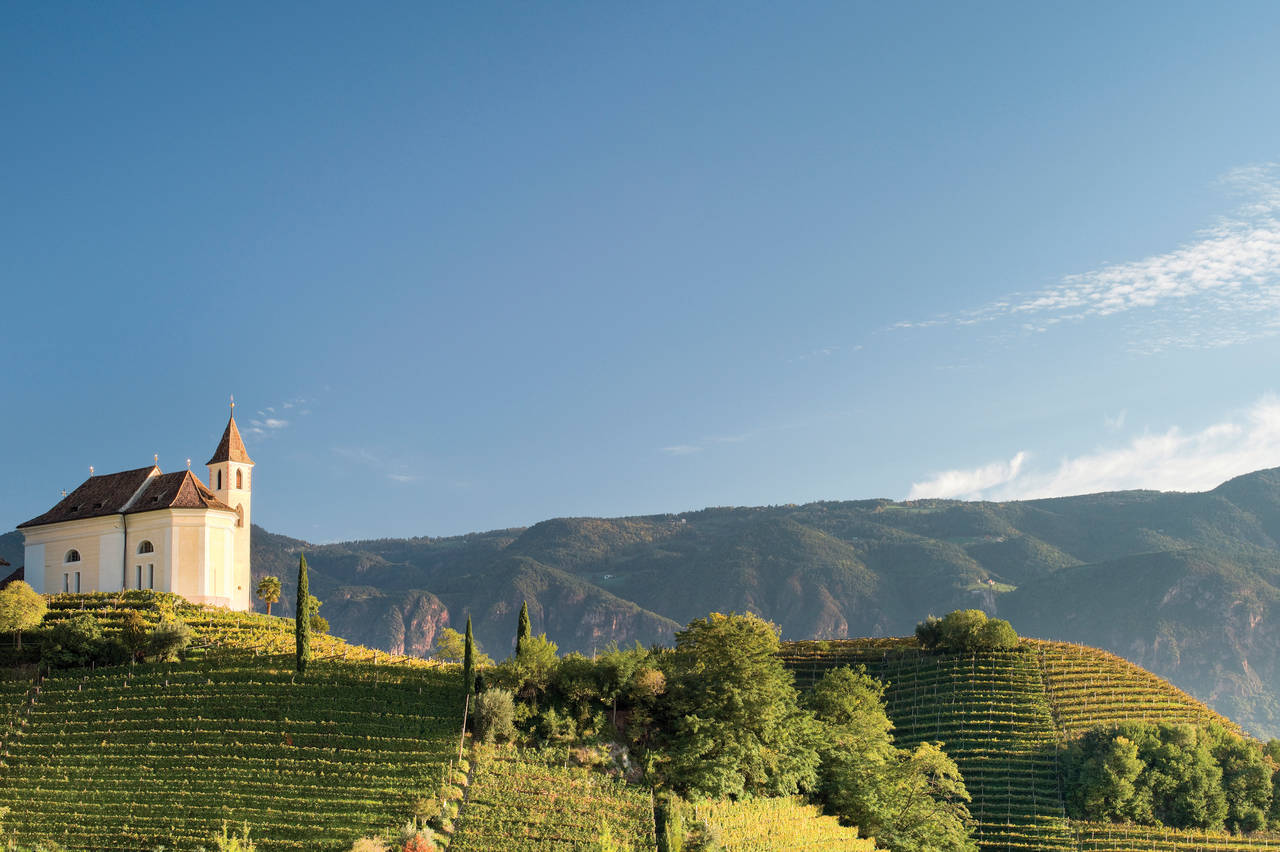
pixel 495 715
pixel 419 843
pixel 369 844
pixel 319 624
pixel 169 639
pixel 966 630
pixel 78 641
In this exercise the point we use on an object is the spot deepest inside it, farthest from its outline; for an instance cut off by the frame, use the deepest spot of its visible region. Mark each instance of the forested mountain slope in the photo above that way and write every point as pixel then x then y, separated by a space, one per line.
pixel 1183 584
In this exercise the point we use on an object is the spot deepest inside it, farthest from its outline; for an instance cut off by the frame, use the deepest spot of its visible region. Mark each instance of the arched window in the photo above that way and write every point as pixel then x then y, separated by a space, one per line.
pixel 239 479
pixel 239 515
pixel 72 556
pixel 146 547
pixel 219 488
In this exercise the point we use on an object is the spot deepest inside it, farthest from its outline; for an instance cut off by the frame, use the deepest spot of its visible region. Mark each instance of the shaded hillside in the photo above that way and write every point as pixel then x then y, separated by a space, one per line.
pixel 1182 583
pixel 1002 715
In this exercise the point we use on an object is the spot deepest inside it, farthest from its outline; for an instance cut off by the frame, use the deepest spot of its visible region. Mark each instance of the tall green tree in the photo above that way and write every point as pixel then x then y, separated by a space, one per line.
pixel 523 630
pixel 734 723
pixel 910 801
pixel 302 620
pixel 469 661
pixel 269 591
pixel 21 608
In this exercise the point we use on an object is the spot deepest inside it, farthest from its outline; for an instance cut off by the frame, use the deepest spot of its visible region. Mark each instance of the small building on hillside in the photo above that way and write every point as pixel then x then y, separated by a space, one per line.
pixel 145 529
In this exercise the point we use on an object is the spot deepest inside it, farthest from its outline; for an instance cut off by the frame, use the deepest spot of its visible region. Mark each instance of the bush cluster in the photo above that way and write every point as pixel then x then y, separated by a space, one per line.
pixel 1173 775
pixel 966 631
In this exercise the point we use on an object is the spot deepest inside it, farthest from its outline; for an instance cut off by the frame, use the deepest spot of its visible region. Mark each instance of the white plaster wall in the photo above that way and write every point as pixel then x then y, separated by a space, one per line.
pixel 35 567
pixel 110 560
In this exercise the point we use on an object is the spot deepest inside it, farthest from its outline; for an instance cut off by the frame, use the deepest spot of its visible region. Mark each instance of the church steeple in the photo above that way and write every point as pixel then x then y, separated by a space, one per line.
pixel 230 480
pixel 231 447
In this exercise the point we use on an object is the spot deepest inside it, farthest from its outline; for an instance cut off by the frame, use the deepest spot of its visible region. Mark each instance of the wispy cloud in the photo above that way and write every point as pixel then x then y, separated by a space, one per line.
pixel 681 450
pixel 969 483
pixel 393 469
pixel 1219 288
pixel 1172 460
pixel 1116 423
pixel 403 477
pixel 266 423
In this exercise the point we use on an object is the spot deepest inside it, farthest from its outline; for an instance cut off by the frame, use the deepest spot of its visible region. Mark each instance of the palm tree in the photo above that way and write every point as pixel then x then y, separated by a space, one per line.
pixel 269 591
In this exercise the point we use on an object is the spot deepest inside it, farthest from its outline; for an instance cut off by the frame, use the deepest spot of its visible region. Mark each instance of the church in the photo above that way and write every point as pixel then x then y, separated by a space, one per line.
pixel 144 529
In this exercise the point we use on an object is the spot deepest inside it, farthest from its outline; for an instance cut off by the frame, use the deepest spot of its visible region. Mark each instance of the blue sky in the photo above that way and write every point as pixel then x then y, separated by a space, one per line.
pixel 472 267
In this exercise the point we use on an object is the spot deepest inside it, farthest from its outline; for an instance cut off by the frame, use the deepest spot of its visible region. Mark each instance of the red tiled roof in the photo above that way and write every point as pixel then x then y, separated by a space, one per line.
pixel 175 491
pixel 97 496
pixel 110 494
pixel 231 447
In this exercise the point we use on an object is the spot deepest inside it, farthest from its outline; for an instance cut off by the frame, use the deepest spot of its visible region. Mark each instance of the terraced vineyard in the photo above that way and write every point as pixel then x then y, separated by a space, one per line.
pixel 767 825
pixel 1001 716
pixel 518 806
pixel 1087 686
pixel 133 757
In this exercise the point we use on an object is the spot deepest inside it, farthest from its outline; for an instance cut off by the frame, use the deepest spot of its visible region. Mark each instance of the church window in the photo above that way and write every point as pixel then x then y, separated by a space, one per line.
pixel 146 547
pixel 239 515
pixel 138 578
pixel 77 582
pixel 151 576
pixel 72 556
pixel 239 479
pixel 66 582
pixel 219 488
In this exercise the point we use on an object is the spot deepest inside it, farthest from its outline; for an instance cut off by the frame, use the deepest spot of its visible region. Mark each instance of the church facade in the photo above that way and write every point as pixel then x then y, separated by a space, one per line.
pixel 145 529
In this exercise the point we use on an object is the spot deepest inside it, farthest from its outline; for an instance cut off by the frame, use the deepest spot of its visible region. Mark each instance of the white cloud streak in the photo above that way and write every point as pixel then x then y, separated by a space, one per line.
pixel 681 450
pixel 1220 288
pixel 969 484
pixel 1173 460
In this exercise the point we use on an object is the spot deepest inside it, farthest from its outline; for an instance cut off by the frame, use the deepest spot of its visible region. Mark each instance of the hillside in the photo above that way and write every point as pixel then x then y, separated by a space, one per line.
pixel 1002 715
pixel 134 757
pixel 1186 585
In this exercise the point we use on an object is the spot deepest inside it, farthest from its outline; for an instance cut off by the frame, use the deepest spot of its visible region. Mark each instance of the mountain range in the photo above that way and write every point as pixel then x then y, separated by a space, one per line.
pixel 1184 584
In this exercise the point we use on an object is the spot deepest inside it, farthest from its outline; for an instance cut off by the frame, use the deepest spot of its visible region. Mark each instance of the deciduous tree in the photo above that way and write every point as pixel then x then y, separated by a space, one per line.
pixel 21 609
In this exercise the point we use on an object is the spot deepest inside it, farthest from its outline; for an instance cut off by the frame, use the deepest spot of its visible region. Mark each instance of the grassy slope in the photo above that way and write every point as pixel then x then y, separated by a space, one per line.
pixel 1001 716
pixel 133 757
pixel 516 806
pixel 766 825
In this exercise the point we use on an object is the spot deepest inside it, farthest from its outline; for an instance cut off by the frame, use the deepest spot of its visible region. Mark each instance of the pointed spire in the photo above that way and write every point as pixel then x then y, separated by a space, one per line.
pixel 231 447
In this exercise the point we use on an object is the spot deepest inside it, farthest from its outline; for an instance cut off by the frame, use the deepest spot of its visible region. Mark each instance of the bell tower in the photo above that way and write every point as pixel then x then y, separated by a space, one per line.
pixel 231 481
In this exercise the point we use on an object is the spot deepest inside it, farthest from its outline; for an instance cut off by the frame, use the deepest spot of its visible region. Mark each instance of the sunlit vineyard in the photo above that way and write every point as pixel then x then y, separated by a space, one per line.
pixel 133 757
pixel 1002 714
pixel 767 825
pixel 514 805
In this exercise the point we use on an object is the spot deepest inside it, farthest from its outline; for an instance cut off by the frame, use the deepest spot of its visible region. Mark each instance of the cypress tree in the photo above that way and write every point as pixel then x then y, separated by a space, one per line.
pixel 302 624
pixel 522 630
pixel 469 661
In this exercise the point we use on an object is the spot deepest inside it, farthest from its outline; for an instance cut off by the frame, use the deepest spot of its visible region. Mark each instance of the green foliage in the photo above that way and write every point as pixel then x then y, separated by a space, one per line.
pixel 79 641
pixel 21 609
pixel 302 619
pixel 268 591
pixel 734 726
pixel 319 624
pixel 169 639
pixel 966 631
pixel 468 660
pixel 224 842
pixel 523 630
pixel 450 645
pixel 531 670
pixel 1167 774
pixel 135 635
pixel 495 715
pixel 909 800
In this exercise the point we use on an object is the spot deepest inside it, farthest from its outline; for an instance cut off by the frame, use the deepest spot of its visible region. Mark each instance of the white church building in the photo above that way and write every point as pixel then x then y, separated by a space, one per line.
pixel 144 529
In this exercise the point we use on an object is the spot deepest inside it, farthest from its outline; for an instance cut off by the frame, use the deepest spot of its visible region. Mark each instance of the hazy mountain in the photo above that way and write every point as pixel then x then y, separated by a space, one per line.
pixel 1186 585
